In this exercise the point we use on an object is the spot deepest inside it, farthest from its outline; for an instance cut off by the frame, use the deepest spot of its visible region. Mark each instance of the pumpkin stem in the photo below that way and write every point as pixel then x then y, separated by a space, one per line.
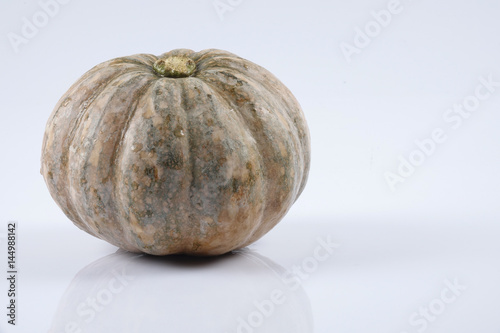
pixel 175 66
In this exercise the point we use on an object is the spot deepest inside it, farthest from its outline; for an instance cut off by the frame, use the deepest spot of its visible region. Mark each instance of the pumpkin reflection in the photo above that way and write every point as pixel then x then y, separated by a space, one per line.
pixel 239 292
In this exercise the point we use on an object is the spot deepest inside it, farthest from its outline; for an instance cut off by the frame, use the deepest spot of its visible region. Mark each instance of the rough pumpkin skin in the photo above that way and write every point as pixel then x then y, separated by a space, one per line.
pixel 201 163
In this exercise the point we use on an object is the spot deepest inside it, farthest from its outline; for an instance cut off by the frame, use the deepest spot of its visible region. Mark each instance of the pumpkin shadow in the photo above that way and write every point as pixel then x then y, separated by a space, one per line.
pixel 242 292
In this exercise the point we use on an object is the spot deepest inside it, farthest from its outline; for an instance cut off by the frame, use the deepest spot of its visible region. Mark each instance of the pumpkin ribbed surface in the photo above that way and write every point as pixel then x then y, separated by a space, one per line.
pixel 201 164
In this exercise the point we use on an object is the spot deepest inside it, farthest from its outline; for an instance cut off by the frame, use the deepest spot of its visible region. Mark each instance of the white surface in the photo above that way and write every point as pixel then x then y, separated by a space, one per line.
pixel 375 279
pixel 397 247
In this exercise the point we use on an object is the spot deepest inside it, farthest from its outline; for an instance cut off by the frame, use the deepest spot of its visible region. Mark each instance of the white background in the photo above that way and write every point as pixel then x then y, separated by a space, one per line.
pixel 365 111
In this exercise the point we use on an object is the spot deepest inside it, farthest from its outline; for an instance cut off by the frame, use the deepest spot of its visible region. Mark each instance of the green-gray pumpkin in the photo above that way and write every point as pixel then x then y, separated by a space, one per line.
pixel 189 152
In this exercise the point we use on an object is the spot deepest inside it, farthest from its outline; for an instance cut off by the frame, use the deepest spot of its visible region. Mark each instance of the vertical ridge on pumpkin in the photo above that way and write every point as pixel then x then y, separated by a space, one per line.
pixel 222 146
pixel 142 95
pixel 222 109
pixel 153 175
pixel 108 159
pixel 81 150
pixel 226 61
pixel 188 218
pixel 101 152
pixel 56 159
pixel 260 118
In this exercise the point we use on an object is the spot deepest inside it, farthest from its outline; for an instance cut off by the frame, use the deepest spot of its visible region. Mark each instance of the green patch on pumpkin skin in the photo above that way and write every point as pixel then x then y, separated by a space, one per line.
pixel 151 172
pixel 236 183
pixel 196 246
pixel 174 160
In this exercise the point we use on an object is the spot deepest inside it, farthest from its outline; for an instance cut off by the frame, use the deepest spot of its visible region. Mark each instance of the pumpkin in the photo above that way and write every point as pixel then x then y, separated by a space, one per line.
pixel 189 152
